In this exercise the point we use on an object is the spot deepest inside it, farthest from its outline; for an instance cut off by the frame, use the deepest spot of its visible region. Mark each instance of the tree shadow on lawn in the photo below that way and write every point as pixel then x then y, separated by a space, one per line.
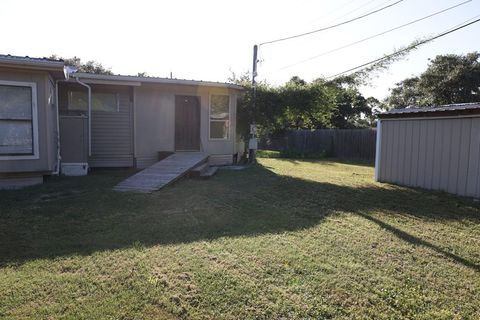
pixel 70 216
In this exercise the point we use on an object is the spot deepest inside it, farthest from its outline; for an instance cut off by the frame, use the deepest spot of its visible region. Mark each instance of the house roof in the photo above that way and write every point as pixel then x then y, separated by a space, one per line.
pixel 433 111
pixel 57 65
pixel 131 80
pixel 28 61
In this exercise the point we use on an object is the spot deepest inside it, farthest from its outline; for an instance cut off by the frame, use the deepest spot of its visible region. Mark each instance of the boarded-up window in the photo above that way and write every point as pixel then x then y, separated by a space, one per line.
pixel 16 120
pixel 219 117
pixel 101 101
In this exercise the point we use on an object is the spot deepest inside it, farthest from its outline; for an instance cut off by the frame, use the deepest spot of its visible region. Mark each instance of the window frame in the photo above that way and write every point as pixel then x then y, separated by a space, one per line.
pixel 35 144
pixel 69 101
pixel 229 121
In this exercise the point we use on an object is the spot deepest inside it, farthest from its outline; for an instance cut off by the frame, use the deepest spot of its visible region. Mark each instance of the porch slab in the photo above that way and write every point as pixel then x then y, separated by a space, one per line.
pixel 162 173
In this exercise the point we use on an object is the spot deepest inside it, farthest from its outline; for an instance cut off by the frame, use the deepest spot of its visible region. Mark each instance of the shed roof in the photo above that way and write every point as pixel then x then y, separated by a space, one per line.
pixel 447 110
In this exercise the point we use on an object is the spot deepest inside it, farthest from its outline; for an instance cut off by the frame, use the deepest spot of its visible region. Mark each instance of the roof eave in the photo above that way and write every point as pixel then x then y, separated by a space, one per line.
pixel 120 78
pixel 430 114
pixel 51 66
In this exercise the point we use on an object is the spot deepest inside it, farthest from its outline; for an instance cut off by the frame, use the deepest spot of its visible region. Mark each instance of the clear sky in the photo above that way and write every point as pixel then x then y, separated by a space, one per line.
pixel 207 40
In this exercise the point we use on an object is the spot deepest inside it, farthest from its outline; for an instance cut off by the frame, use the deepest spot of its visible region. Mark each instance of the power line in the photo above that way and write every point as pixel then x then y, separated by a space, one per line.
pixel 332 26
pixel 343 5
pixel 358 8
pixel 408 48
pixel 373 36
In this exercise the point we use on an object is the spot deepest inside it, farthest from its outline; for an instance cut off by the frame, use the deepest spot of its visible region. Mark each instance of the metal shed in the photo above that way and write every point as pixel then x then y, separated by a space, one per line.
pixel 436 148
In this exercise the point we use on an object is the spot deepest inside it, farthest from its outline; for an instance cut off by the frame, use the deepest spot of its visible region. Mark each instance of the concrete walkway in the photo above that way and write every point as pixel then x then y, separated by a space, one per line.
pixel 162 173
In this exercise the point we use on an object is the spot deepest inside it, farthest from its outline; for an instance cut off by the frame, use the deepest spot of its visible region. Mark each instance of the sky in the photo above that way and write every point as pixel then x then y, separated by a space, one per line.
pixel 210 39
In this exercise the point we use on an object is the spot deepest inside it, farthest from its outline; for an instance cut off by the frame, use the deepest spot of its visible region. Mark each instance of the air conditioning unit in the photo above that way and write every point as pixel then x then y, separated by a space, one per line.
pixel 75 169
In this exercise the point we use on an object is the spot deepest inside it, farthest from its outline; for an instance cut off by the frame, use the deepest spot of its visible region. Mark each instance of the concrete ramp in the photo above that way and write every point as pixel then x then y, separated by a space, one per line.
pixel 162 173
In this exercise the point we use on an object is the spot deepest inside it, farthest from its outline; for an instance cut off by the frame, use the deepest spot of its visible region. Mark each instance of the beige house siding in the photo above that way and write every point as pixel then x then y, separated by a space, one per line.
pixel 112 132
pixel 432 153
pixel 155 121
pixel 46 122
pixel 112 136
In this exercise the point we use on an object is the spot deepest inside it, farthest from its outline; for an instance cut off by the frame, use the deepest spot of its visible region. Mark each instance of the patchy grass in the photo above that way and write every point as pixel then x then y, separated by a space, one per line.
pixel 285 239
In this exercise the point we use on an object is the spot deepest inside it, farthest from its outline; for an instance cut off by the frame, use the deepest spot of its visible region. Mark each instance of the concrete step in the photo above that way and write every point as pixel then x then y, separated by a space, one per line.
pixel 209 172
pixel 198 170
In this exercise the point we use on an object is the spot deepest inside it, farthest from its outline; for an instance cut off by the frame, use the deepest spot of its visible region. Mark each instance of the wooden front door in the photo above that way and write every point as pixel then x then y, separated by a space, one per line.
pixel 187 123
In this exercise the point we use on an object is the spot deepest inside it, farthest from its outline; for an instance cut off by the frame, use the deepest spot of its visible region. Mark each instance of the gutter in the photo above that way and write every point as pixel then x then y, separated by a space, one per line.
pixel 89 113
pixel 88 77
pixel 57 105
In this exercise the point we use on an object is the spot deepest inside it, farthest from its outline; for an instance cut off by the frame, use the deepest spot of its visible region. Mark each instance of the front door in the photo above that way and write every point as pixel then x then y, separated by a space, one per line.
pixel 187 123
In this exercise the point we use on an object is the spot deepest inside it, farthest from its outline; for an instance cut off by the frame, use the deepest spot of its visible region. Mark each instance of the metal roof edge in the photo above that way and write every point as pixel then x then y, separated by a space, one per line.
pixel 158 80
pixel 472 107
pixel 31 62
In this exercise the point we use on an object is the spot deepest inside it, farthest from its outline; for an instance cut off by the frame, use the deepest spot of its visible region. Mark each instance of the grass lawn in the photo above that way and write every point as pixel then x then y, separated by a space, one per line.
pixel 285 239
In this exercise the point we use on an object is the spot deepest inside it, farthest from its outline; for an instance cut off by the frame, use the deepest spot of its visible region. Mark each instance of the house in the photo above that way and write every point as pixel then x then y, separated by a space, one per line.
pixel 53 119
pixel 436 148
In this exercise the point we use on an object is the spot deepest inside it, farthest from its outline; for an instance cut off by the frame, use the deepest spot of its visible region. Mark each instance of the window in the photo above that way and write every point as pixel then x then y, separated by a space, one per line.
pixel 219 117
pixel 103 102
pixel 18 120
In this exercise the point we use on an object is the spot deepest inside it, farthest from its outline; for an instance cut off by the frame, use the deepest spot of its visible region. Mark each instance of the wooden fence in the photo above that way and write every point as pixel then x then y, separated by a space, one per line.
pixel 355 144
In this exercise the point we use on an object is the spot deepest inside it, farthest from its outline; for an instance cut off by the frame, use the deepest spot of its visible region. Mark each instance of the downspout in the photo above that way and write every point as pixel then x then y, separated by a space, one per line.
pixel 59 158
pixel 89 114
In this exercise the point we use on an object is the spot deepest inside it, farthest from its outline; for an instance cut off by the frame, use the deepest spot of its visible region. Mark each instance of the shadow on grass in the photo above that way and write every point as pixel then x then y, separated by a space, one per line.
pixel 70 216
pixel 420 242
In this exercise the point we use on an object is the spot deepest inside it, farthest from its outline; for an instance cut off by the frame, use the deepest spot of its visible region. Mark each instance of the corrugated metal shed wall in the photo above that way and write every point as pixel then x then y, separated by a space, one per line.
pixel 438 154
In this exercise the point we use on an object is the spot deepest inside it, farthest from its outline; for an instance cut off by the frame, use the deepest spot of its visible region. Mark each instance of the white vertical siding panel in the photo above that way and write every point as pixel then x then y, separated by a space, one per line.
pixel 454 157
pixel 429 155
pixel 473 159
pixel 389 126
pixel 464 155
pixel 396 152
pixel 422 153
pixel 437 154
pixel 400 177
pixel 446 126
pixel 407 153
pixel 383 160
pixel 414 159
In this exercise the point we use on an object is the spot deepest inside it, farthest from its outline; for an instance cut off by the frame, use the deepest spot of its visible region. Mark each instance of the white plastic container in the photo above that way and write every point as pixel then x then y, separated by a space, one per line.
pixel 75 169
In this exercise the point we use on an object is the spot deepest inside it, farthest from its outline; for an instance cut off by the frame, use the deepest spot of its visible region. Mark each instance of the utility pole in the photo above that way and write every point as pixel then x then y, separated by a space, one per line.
pixel 252 143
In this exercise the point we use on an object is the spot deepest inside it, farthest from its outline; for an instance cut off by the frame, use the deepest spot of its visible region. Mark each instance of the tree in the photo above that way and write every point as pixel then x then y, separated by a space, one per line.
pixel 406 93
pixel 88 67
pixel 448 79
pixel 305 105
pixel 452 79
pixel 299 104
pixel 351 107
